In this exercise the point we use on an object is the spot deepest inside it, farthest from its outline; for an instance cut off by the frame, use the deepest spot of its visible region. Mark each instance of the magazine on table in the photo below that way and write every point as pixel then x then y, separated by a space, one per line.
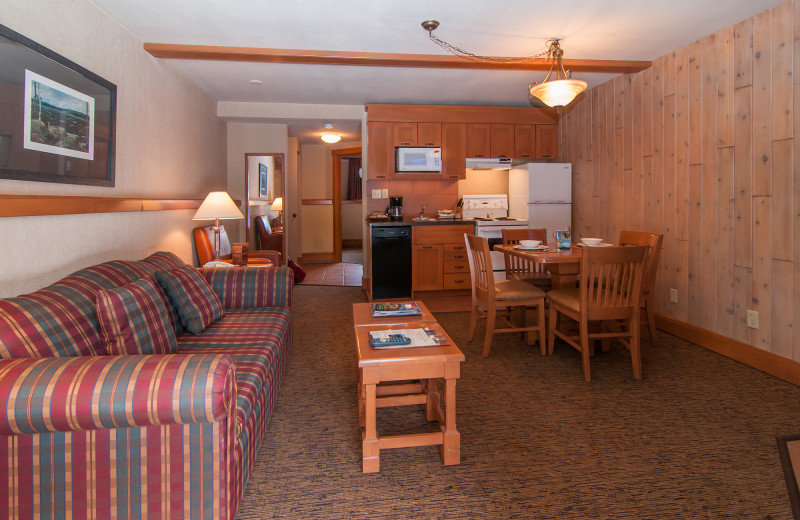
pixel 405 338
pixel 395 309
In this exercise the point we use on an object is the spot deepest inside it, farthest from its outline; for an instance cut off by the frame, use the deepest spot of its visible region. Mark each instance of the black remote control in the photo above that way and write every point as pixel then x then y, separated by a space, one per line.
pixel 394 340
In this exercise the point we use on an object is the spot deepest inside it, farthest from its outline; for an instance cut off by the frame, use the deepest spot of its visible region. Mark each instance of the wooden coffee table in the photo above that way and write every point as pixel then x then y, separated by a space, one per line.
pixel 407 376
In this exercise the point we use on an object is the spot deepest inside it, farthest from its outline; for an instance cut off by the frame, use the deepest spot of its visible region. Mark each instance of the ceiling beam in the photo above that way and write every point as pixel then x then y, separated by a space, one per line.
pixel 377 59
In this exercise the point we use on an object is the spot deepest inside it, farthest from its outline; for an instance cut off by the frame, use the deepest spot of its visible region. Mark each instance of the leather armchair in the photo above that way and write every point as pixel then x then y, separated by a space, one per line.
pixel 267 238
pixel 204 242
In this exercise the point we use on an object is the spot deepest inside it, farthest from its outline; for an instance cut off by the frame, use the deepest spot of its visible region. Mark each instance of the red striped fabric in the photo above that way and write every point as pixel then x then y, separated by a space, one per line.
pixel 133 320
pixel 198 306
pixel 249 287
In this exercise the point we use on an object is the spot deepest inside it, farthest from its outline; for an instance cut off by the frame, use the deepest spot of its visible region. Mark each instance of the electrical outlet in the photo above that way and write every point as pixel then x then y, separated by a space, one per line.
pixel 385 193
pixel 752 319
pixel 376 194
pixel 673 295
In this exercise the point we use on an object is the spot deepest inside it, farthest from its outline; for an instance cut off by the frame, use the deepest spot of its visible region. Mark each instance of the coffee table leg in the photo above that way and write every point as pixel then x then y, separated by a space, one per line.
pixel 431 399
pixel 370 447
pixel 362 419
pixel 451 447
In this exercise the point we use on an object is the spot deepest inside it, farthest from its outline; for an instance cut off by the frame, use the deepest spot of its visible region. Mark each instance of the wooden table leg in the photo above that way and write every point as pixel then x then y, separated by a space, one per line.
pixel 431 400
pixel 451 446
pixel 362 420
pixel 371 446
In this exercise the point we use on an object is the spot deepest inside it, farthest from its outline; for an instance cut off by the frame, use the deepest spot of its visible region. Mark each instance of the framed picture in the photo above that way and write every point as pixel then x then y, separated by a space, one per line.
pixel 263 178
pixel 56 118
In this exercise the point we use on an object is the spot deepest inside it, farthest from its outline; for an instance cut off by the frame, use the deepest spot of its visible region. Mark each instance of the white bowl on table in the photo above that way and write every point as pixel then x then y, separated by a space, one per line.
pixel 530 244
pixel 592 241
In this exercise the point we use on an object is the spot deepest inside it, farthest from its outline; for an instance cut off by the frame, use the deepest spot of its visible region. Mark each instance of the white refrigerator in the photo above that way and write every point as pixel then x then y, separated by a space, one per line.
pixel 541 193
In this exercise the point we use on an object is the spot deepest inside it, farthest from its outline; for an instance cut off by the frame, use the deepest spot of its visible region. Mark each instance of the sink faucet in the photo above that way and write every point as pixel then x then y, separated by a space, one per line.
pixel 422 212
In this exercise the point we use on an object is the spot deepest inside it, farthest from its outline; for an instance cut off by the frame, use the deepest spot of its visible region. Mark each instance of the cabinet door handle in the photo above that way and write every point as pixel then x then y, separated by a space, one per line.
pixel 500 155
pixel 458 267
pixel 427 247
pixel 429 144
pixel 458 281
pixel 458 256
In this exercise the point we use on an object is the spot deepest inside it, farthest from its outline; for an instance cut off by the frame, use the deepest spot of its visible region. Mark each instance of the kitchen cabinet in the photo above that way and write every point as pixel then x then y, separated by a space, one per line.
pixel 546 141
pixel 418 134
pixel 380 162
pixel 454 151
pixel 490 140
pixel 535 141
pixel 439 258
pixel 479 138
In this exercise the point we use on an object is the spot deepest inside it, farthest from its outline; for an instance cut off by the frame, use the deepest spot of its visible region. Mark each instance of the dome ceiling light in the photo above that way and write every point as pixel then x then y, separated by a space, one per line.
pixel 330 137
pixel 556 93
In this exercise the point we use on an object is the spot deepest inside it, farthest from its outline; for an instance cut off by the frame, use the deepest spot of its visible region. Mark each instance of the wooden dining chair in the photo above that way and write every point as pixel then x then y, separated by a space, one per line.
pixel 608 300
pixel 525 269
pixel 490 295
pixel 653 241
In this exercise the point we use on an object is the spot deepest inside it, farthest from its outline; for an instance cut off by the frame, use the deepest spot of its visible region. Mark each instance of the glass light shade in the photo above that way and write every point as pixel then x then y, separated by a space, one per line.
pixel 331 138
pixel 277 204
pixel 218 205
pixel 558 93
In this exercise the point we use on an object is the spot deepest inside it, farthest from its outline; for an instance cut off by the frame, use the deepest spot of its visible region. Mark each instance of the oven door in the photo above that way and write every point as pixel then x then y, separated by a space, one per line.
pixel 495 236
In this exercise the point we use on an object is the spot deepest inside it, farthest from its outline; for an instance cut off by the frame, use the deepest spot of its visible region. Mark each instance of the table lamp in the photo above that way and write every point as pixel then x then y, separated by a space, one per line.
pixel 277 205
pixel 218 205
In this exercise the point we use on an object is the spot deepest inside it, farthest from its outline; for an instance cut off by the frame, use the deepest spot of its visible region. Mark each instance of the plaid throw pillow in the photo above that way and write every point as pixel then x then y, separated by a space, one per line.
pixel 198 306
pixel 134 321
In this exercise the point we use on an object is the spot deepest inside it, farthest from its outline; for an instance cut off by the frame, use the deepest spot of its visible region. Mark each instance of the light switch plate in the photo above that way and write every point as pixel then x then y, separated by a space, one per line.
pixel 673 295
pixel 376 194
pixel 385 193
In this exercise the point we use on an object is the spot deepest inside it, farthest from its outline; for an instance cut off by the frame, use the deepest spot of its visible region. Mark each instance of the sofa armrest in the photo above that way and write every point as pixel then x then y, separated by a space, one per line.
pixel 104 392
pixel 251 287
pixel 272 256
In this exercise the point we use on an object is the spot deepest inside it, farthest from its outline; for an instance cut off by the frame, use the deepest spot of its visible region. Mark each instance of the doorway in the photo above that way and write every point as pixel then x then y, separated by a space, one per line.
pixel 347 206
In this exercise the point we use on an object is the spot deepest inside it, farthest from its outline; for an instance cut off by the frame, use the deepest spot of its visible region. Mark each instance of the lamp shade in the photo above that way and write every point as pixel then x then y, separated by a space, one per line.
pixel 218 204
pixel 277 204
pixel 331 138
pixel 558 93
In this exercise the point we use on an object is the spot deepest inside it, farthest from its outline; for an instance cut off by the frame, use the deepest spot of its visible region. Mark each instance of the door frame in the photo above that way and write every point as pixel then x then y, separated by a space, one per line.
pixel 279 158
pixel 336 157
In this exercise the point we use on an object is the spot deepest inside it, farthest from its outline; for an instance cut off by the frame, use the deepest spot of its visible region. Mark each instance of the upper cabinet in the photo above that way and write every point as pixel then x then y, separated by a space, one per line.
pixel 418 134
pixel 380 151
pixel 535 141
pixel 461 132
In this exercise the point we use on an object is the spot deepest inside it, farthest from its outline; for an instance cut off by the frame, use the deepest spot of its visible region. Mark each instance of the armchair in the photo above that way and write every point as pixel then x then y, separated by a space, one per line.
pixel 268 239
pixel 204 242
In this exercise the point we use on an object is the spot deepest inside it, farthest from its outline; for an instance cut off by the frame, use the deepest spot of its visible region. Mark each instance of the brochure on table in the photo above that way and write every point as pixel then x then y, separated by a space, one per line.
pixel 421 337
pixel 395 309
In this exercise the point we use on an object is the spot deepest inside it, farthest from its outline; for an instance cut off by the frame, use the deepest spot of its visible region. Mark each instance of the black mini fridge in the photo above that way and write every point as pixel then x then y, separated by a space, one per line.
pixel 391 262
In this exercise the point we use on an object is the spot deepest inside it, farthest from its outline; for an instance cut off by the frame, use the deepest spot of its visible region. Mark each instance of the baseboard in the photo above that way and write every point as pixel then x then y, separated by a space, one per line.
pixel 319 258
pixel 773 364
pixel 351 242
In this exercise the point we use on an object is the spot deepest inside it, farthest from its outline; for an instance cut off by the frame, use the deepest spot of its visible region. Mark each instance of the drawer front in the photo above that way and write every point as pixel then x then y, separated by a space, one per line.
pixel 441 234
pixel 457 281
pixel 455 253
pixel 456 267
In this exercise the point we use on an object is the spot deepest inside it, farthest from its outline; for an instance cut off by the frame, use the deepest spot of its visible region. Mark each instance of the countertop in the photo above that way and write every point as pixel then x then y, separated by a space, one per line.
pixel 409 221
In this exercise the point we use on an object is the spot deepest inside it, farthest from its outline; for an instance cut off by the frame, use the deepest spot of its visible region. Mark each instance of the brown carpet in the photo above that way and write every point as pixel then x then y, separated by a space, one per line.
pixel 694 439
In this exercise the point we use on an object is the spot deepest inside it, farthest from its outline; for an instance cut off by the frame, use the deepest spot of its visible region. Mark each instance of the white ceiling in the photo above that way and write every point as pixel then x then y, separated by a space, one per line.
pixel 588 29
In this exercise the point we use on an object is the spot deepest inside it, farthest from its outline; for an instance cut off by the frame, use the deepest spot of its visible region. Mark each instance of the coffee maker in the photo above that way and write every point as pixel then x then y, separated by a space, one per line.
pixel 395 208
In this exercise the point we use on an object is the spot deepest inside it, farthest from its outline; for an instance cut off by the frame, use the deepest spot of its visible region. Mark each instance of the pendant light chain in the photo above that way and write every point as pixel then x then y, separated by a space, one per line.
pixel 430 25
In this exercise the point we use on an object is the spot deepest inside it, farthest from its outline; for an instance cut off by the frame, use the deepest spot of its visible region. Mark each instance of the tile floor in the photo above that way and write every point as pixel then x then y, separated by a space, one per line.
pixel 342 274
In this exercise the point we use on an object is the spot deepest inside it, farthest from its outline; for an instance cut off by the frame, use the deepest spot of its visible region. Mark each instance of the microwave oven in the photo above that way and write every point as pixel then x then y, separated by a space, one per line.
pixel 418 159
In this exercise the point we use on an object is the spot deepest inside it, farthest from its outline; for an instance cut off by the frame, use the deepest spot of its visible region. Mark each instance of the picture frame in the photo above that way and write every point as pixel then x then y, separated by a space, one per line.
pixel 57 119
pixel 263 181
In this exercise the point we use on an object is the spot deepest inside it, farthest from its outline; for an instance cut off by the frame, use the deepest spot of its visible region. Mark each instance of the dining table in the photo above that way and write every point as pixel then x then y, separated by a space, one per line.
pixel 562 264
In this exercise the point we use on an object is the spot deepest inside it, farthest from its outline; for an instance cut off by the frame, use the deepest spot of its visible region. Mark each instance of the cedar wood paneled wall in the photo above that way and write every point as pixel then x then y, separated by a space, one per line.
pixel 700 147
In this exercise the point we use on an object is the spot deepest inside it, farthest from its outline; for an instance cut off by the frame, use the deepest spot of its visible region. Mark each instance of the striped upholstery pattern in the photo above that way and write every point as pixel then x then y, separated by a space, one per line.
pixel 198 306
pixel 247 287
pixel 87 435
pixel 133 320
pixel 93 465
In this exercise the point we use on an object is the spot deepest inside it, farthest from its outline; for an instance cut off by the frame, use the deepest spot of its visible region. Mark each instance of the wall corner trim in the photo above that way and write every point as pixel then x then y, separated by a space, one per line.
pixel 773 364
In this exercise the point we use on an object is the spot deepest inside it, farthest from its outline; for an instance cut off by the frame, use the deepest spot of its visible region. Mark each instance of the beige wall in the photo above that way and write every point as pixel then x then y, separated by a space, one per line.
pixel 170 144
pixel 700 147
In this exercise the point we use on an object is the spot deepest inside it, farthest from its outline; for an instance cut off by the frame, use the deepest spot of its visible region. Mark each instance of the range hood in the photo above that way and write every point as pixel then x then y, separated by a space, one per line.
pixel 493 164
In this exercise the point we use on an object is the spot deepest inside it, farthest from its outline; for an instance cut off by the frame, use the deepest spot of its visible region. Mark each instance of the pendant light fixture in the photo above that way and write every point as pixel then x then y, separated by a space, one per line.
pixel 330 137
pixel 556 93
pixel 563 89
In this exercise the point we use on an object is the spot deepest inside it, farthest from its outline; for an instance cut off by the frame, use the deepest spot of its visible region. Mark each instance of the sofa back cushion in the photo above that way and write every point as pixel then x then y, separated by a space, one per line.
pixel 60 320
pixel 134 320
pixel 249 287
pixel 190 293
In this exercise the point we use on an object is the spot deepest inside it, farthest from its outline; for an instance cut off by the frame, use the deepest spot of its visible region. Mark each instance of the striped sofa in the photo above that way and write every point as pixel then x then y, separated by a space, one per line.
pixel 85 434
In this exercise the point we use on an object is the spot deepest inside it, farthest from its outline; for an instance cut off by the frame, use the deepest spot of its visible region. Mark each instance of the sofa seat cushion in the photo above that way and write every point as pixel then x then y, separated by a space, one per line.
pixel 197 303
pixel 134 320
